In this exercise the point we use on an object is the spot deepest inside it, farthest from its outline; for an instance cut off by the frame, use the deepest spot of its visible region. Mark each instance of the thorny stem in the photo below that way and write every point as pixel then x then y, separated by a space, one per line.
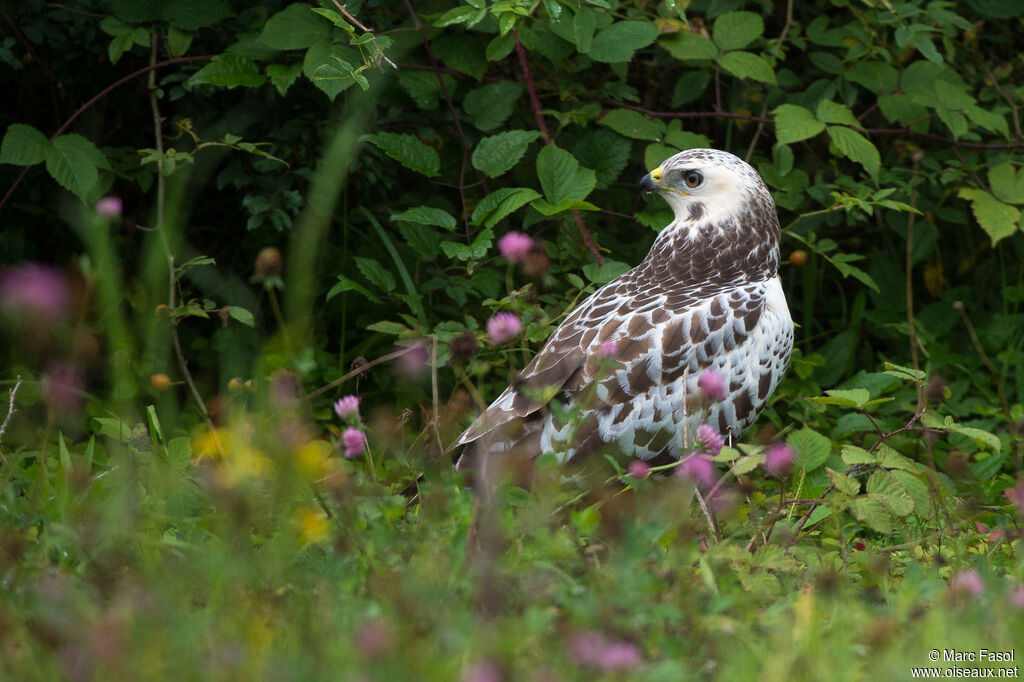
pixel 103 93
pixel 10 411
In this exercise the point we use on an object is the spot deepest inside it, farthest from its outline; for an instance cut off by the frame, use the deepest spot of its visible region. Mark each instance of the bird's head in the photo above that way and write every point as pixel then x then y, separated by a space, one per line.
pixel 707 185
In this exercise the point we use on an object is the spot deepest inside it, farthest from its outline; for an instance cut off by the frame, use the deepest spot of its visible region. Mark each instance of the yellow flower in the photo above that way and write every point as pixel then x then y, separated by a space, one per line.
pixel 311 458
pixel 312 524
pixel 213 444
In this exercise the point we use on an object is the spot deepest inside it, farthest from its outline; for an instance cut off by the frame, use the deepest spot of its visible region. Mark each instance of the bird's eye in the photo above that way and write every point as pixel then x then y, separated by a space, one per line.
pixel 693 178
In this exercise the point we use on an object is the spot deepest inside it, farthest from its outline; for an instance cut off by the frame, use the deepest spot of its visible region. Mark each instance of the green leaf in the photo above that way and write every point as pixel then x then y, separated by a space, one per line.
pixel 843 483
pixel 336 79
pixel 242 315
pixel 388 327
pixel 461 52
pixel 831 112
pixel 891 493
pixel 987 119
pixel 178 41
pixel 878 77
pixel 283 76
pixel 409 151
pixel 192 15
pixel 23 145
pixel 179 453
pixel 426 215
pixel 999 220
pixel 983 439
pixel 856 147
pixel 687 46
pixel 917 490
pixel 137 11
pixel 497 154
pixel 500 47
pixel 229 71
pixel 855 455
pixel 954 120
pixel 490 105
pixel 602 274
pixel 294 28
pixel 871 511
pixel 736 30
pixel 583 25
pixel 424 240
pixel 346 284
pixel 603 151
pixel 476 250
pixel 620 41
pixel 72 161
pixel 376 273
pixel 633 124
pixel 794 123
pixel 501 203
pixel 548 209
pixel 855 397
pixel 747 65
pixel 811 449
pixel 1007 184
pixel 561 176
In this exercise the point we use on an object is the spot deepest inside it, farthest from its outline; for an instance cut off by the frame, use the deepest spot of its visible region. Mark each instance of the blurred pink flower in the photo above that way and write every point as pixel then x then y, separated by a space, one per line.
pixel 712 385
pixel 594 650
pixel 710 440
pixel 778 459
pixel 109 207
pixel 503 327
pixel 374 638
pixel 698 469
pixel 414 361
pixel 482 671
pixel 347 407
pixel 1015 496
pixel 515 246
pixel 967 582
pixel 638 468
pixel 63 388
pixel 1017 597
pixel 36 290
pixel 607 349
pixel 354 442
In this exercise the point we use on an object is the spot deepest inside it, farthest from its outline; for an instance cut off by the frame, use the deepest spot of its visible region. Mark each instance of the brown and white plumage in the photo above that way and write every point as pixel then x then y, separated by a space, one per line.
pixel 707 296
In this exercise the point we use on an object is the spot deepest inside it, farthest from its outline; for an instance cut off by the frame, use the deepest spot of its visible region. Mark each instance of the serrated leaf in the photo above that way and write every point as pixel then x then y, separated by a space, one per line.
pixel 501 203
pixel 476 250
pixel 844 398
pixel 744 465
pixel 192 15
pixel 583 25
pixel 603 151
pixel 427 215
pixel 794 123
pixel 833 112
pixel 561 176
pixel 491 104
pixel 902 372
pixel 918 491
pixel 462 52
pixel 879 77
pixel 72 161
pixel 409 151
pixel 687 46
pixel 747 65
pixel 497 154
pixel 890 459
pixel 855 455
pixel 283 76
pixel 229 71
pixel 1007 184
pixel 856 147
pixel 334 80
pixel 843 483
pixel 548 209
pixel 376 273
pixel 388 327
pixel 633 124
pixel 23 145
pixel 989 120
pixel 890 493
pixel 294 28
pixel 999 220
pixel 736 30
pixel 242 315
pixel 983 439
pixel 620 41
pixel 422 239
pixel 811 449
pixel 871 511
pixel 602 274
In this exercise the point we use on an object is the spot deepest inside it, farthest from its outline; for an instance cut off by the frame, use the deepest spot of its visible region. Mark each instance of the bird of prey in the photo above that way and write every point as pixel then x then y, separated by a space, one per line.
pixel 625 367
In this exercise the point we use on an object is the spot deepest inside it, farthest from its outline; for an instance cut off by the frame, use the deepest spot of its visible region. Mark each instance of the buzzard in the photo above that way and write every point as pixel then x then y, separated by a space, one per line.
pixel 623 373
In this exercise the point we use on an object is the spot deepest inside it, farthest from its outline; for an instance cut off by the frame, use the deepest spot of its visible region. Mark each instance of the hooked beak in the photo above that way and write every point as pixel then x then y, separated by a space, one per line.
pixel 652 181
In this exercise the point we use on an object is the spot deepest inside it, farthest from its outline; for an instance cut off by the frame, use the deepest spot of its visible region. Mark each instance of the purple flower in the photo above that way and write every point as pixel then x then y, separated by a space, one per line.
pixel 413 362
pixel 483 671
pixel 712 385
pixel 967 582
pixel 698 469
pixel 503 327
pixel 36 290
pixel 347 407
pixel 1015 496
pixel 1017 598
pixel 638 468
pixel 109 207
pixel 778 459
pixel 594 650
pixel 374 638
pixel 710 440
pixel 64 389
pixel 608 349
pixel 515 246
pixel 354 441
